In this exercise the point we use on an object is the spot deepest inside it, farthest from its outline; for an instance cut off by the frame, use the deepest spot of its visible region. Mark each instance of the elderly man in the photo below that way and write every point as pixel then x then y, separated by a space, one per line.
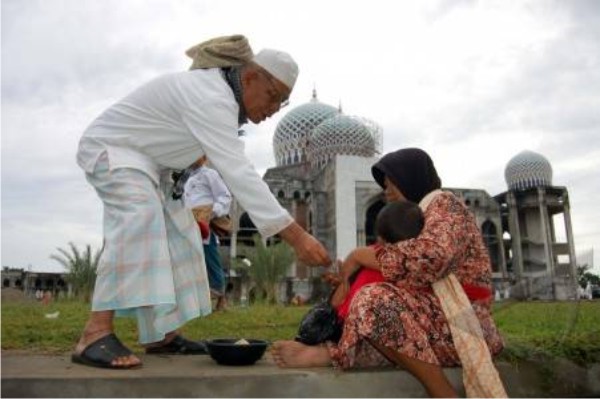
pixel 153 265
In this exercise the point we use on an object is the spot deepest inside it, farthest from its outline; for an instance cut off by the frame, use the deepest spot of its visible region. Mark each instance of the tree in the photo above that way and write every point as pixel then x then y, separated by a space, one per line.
pixel 81 269
pixel 584 276
pixel 269 266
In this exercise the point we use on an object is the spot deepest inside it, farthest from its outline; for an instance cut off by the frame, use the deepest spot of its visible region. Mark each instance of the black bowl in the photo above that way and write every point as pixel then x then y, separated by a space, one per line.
pixel 226 352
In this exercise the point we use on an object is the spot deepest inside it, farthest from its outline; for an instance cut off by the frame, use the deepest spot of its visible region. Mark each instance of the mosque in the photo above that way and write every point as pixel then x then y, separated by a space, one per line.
pixel 323 178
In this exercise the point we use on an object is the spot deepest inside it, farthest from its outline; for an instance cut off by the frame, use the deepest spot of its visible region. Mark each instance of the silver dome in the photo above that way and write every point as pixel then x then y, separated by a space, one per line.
pixel 341 135
pixel 293 130
pixel 528 169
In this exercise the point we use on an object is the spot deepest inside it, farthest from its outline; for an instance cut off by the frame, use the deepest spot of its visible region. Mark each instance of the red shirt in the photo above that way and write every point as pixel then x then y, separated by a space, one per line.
pixel 364 276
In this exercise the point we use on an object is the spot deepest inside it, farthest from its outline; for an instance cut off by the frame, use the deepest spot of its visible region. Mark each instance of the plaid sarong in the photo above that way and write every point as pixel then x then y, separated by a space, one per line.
pixel 153 265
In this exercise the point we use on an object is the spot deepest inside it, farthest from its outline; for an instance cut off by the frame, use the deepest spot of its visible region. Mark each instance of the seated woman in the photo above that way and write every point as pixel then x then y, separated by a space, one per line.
pixel 402 321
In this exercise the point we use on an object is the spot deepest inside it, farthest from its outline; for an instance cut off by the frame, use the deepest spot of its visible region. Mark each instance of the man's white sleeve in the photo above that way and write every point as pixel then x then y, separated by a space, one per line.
pixel 214 124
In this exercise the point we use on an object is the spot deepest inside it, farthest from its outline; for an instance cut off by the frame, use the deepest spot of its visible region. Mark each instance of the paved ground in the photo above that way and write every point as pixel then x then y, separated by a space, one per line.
pixel 199 376
pixel 192 376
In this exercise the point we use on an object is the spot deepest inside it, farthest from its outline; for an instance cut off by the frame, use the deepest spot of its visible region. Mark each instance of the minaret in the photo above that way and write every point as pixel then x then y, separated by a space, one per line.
pixel 543 268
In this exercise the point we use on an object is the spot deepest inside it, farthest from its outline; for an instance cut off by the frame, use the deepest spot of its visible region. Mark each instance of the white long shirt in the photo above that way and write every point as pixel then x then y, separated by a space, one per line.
pixel 169 123
pixel 205 187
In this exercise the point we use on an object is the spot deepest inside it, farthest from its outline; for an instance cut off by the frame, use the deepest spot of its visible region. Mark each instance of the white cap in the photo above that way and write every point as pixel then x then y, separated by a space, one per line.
pixel 279 64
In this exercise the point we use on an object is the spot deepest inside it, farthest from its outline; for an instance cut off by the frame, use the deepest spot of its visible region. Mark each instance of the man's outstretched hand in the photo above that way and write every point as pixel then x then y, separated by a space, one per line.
pixel 308 249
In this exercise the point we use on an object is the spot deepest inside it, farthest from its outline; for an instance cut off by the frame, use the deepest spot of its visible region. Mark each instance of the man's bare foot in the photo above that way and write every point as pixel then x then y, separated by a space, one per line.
pixel 296 354
pixel 88 338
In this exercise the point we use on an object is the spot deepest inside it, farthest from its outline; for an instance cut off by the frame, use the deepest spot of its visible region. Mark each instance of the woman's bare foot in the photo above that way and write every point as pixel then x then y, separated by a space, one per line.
pixel 296 354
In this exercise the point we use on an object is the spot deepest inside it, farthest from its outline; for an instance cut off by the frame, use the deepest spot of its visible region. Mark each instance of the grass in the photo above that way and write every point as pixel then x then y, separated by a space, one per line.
pixel 560 329
pixel 25 327
pixel 551 329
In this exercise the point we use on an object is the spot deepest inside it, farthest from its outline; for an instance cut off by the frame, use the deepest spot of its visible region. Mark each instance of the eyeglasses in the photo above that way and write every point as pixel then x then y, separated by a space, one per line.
pixel 275 96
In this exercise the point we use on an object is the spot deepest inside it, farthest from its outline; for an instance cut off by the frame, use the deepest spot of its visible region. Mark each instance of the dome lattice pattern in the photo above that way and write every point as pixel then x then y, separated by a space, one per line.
pixel 528 170
pixel 340 135
pixel 290 141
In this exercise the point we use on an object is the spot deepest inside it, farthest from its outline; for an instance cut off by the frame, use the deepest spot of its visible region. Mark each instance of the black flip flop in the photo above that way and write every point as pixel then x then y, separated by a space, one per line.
pixel 179 346
pixel 102 352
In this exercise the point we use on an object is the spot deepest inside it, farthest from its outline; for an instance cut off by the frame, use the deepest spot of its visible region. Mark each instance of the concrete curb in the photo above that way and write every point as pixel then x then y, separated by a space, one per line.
pixel 38 376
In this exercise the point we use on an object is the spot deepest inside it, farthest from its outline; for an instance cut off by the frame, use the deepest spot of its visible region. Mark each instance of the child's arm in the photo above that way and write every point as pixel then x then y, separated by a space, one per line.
pixel 335 280
pixel 360 257
pixel 339 294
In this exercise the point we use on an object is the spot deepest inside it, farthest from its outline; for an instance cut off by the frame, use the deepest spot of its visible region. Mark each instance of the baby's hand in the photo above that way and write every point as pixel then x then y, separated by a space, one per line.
pixel 332 279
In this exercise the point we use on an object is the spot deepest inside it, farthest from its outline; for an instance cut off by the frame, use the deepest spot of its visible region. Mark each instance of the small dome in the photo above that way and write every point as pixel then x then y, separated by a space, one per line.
pixel 340 135
pixel 528 169
pixel 291 135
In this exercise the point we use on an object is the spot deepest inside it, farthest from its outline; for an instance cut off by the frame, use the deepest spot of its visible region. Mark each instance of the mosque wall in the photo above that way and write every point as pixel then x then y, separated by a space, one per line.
pixel 325 208
pixel 352 173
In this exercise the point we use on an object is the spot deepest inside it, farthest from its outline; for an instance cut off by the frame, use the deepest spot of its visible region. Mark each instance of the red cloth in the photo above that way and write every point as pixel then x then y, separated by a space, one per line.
pixel 475 293
pixel 365 276
pixel 204 229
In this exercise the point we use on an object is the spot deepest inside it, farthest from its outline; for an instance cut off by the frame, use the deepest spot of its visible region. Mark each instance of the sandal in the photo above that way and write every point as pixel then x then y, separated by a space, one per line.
pixel 179 346
pixel 102 352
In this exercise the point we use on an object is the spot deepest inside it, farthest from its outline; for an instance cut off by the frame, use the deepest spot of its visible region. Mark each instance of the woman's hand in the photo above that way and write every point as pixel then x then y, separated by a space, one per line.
pixel 348 268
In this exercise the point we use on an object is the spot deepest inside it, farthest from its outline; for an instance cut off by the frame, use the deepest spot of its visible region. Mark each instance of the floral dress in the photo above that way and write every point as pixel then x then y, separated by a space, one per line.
pixel 403 313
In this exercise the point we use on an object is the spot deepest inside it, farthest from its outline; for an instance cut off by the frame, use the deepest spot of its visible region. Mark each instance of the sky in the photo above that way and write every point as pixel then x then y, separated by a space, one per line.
pixel 473 83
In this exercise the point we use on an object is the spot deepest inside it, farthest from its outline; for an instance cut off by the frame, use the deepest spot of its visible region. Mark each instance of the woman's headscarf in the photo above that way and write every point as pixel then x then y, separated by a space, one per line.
pixel 411 170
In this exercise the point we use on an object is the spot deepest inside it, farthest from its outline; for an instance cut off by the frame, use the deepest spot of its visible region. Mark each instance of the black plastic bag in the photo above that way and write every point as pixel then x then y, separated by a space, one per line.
pixel 319 325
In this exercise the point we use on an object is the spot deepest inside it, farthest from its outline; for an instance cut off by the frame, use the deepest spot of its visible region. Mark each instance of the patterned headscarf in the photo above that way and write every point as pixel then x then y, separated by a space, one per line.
pixel 411 170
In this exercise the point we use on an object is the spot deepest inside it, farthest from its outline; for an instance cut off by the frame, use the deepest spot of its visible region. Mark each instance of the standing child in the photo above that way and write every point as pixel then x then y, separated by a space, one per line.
pixel 207 196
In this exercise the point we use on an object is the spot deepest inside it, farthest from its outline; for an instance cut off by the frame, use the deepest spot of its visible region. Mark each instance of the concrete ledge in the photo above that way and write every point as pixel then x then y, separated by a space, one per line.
pixel 38 376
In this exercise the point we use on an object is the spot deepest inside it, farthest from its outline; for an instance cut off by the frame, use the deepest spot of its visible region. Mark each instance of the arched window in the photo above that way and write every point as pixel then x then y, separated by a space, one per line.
pixel 6 283
pixel 280 194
